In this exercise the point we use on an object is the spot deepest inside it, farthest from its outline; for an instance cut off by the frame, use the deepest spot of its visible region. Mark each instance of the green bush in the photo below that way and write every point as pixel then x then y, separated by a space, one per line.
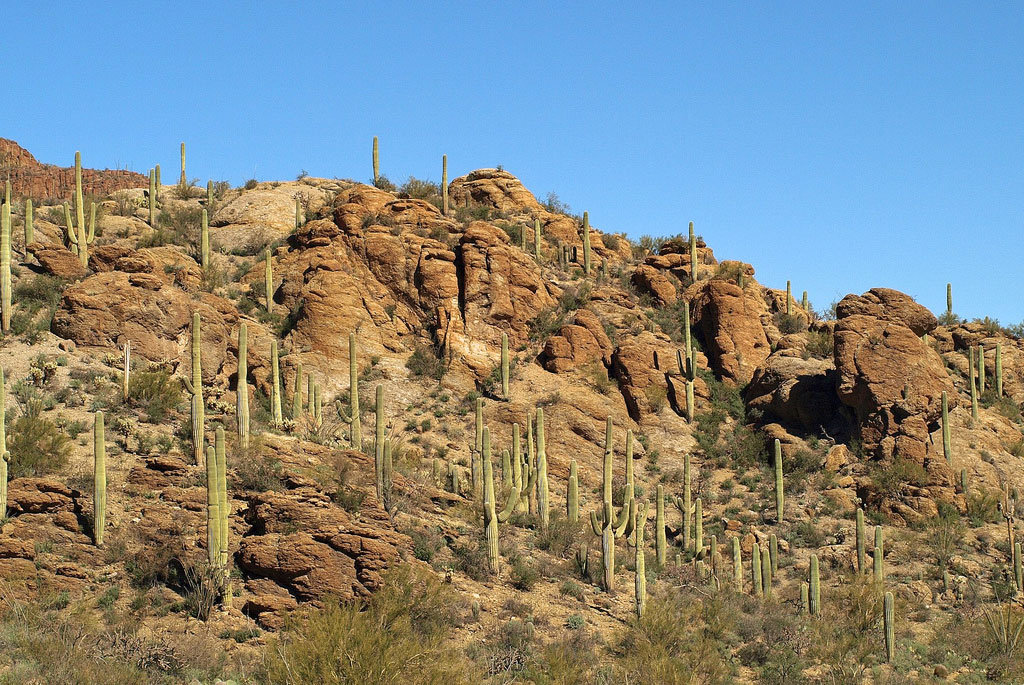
pixel 523 575
pixel 425 362
pixel 37 446
pixel 156 392
pixel 397 636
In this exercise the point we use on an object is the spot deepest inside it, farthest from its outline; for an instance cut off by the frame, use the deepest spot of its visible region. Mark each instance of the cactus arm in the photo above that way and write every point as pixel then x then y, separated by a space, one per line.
pixel 510 505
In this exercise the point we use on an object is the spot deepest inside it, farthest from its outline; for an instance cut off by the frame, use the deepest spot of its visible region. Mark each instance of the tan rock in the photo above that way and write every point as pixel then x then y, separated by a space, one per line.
pixel 729 322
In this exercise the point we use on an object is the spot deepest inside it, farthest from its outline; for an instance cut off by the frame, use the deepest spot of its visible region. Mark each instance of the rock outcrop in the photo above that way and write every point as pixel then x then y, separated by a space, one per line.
pixel 31 178
pixel 728 320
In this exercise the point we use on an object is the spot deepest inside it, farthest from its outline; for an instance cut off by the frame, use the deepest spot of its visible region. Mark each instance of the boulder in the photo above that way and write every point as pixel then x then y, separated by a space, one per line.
pixel 728 320
pixel 493 188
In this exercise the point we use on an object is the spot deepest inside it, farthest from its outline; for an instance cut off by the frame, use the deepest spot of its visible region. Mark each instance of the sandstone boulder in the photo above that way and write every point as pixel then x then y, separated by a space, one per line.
pixel 728 321
pixel 493 188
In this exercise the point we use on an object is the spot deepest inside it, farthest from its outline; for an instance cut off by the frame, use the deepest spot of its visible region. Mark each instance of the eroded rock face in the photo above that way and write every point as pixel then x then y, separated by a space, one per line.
pixel 309 548
pixel 493 188
pixel 577 344
pixel 798 393
pixel 728 320
pixel 653 282
pixel 31 178
pixel 58 261
pixel 108 309
pixel 890 378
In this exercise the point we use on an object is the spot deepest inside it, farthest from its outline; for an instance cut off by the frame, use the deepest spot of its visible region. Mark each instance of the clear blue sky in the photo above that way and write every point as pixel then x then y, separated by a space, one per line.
pixel 839 145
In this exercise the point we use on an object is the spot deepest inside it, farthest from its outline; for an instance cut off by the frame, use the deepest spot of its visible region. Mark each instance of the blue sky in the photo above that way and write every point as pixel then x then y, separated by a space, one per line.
pixel 839 146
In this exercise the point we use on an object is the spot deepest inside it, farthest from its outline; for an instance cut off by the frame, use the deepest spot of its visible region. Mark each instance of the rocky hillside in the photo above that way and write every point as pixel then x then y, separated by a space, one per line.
pixel 547 415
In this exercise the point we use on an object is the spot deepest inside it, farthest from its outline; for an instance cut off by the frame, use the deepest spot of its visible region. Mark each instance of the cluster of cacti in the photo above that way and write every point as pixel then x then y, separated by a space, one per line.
pixel 780 496
pixel 604 522
pixel 99 498
pixel 195 389
pixel 491 517
pixel 586 245
pixel 77 238
pixel 242 387
pixel 5 269
pixel 504 366
pixel 376 161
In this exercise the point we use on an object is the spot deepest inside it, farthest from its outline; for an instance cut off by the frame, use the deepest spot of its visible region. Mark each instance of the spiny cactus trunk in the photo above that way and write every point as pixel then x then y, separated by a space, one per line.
pixel 5 270
pixel 586 245
pixel 737 565
pixel 378 444
pixel 660 544
pixel 29 223
pixel 268 280
pixel 861 543
pixel 640 562
pixel 99 502
pixel 353 393
pixel 878 555
pixel 127 372
pixel 376 161
pixel 275 387
pixel 242 387
pixel 536 238
pixel 572 498
pixel 815 587
pixel 755 570
pixel 152 198
pixel 999 363
pixel 947 450
pixel 213 517
pixel 686 502
pixel 780 496
pixel 183 180
pixel 693 255
pixel 974 389
pixel 297 393
pixel 444 184
pixel 504 366
pixel 196 388
pixel 773 552
pixel 698 526
pixel 889 622
pixel 542 472
pixel 766 575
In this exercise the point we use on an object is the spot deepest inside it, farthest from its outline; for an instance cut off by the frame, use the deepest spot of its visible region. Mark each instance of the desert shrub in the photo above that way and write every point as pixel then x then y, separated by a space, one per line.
pixel 728 272
pixel 420 189
pixel 256 472
pixel 820 344
pixel 41 292
pixel 561 535
pixel 395 636
pixel 555 205
pixel 890 480
pixel 251 184
pixel 470 557
pixel 523 575
pixel 155 391
pixel 983 507
pixel 176 226
pixel 945 534
pixel 677 641
pixel 790 323
pixel 657 397
pixel 844 640
pixel 37 445
pixel 425 362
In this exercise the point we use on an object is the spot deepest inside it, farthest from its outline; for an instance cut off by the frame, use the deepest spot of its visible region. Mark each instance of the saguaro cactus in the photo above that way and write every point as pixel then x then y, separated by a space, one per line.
pixel 640 561
pixel 586 244
pixel 204 242
pixel 974 388
pixel 773 552
pixel 698 527
pixel 789 298
pixel 604 524
pixel 998 364
pixel 159 185
pixel 766 575
pixel 242 387
pixel 29 222
pixel 536 238
pixel 877 557
pixel 99 499
pixel 275 384
pixel 737 564
pixel 504 365
pixel 684 505
pixel 861 558
pixel 444 184
pixel 542 472
pixel 780 495
pixel 183 180
pixel 223 508
pixel 492 519
pixel 815 587
pixel 376 161
pixel 195 388
pixel 1018 571
pixel 152 198
pixel 5 270
pixel 297 393
pixel 889 621
pixel 353 393
pixel 209 195
pixel 126 374
pixel 755 570
pixel 5 456
pixel 949 301
pixel 981 368
pixel 659 526
pixel 572 498
pixel 213 517
pixel 693 255
pixel 805 602
pixel 378 442
pixel 947 450
pixel 268 280
pixel 298 213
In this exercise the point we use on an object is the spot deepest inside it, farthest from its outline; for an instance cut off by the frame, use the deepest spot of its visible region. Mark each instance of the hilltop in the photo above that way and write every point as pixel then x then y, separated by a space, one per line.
pixel 704 373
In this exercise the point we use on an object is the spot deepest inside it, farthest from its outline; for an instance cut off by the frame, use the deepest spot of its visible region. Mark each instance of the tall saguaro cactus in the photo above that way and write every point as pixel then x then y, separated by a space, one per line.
pixel 949 301
pixel 376 161
pixel 685 505
pixel 213 517
pixel 586 244
pixel 242 386
pixel 780 496
pixel 5 456
pixel 947 450
pixel 693 255
pixel 491 517
pixel 572 498
pixel 877 567
pixel 543 496
pixel 5 271
pixel 815 587
pixel 195 388
pixel 78 236
pixel 999 366
pixel 204 242
pixel 861 558
pixel 183 180
pixel 152 198
pixel 29 222
pixel 378 442
pixel 268 281
pixel 99 500
pixel 353 393
pixel 640 561
pixel 974 388
pixel 444 184
pixel 297 393
pixel 604 524
pixel 737 564
pixel 504 366
pixel 889 622
pixel 536 238
pixel 275 384
pixel 660 543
